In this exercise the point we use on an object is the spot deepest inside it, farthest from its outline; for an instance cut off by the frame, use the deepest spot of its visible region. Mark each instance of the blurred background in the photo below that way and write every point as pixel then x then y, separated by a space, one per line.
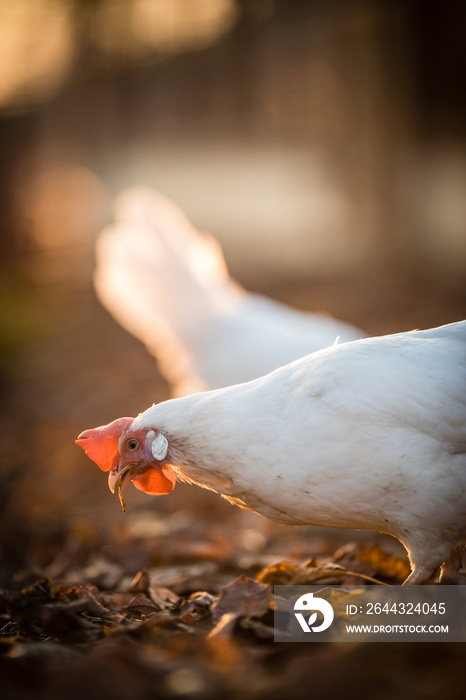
pixel 322 142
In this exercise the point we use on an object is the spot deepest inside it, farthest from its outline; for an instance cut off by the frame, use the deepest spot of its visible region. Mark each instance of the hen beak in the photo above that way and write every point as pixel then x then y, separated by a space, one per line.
pixel 121 479
pixel 115 476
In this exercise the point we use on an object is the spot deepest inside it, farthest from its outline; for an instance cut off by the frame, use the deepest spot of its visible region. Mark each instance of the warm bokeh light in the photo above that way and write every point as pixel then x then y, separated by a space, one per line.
pixel 122 27
pixel 38 37
pixel 63 205
pixel 284 204
pixel 36 48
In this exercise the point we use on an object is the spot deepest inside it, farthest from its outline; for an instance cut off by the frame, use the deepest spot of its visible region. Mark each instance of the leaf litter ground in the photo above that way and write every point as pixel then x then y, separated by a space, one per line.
pixel 172 598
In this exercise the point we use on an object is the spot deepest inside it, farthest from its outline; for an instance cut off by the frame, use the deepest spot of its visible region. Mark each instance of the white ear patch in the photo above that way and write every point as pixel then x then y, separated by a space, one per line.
pixel 159 447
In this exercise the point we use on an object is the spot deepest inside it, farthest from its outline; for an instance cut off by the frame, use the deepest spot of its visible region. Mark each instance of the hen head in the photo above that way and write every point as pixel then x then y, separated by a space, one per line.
pixel 133 455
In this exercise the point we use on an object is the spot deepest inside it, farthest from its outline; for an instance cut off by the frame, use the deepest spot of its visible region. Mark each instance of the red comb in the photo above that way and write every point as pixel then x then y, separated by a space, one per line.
pixel 101 444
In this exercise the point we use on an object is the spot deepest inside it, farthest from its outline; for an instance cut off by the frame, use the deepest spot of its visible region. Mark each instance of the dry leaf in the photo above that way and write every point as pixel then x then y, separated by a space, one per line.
pixel 243 597
pixel 314 570
pixel 384 563
pixel 141 607
pixel 283 573
pixel 162 597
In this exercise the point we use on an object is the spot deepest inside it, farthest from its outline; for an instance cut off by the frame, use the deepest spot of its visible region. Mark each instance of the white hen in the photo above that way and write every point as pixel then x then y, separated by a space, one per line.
pixel 369 434
pixel 168 285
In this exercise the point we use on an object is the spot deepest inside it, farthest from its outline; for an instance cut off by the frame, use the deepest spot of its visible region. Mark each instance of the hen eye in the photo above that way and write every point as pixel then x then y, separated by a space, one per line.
pixel 132 444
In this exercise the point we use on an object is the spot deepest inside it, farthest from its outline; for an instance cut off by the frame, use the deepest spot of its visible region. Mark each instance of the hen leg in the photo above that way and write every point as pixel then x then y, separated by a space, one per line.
pixel 420 575
pixel 453 563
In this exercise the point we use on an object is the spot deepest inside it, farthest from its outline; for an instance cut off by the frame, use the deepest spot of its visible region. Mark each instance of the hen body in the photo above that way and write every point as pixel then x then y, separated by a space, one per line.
pixel 168 285
pixel 369 434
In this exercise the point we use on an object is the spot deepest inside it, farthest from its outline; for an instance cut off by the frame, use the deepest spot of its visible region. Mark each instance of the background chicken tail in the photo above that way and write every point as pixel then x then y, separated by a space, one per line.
pixel 162 280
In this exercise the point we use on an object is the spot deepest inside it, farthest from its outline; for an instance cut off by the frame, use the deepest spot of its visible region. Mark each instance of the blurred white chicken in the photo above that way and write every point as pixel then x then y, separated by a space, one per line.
pixel 369 434
pixel 168 285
